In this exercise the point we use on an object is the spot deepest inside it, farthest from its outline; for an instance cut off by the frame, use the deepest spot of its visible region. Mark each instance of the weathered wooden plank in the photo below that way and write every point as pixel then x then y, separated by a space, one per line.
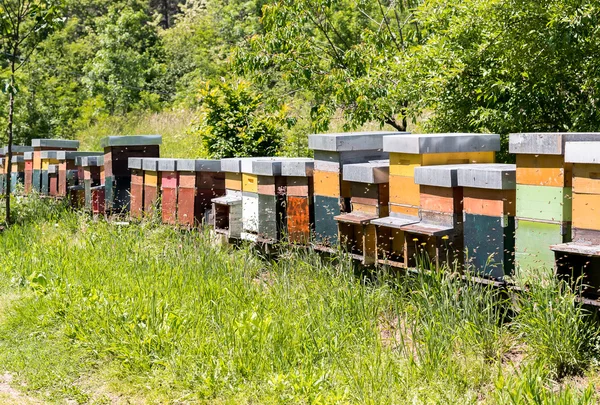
pixel 489 245
pixel 326 208
pixel 299 219
pixel 493 203
pixel 186 206
pixel 586 211
pixel 250 212
pixel 249 183
pixel 441 199
pixel 233 181
pixel 403 190
pixel 586 178
pixel 543 170
pixel 586 236
pixel 169 180
pixel 544 203
pixel 401 209
pixel 532 243
pixel 327 184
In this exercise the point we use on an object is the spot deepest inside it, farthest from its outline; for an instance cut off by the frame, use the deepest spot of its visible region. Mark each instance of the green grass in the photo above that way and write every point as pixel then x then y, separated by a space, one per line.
pixel 172 125
pixel 97 312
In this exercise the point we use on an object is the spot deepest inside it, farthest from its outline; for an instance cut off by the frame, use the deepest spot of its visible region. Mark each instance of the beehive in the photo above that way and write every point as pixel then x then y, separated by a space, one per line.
pixel 136 198
pixel 489 204
pixel 91 166
pixel 151 185
pixel 28 156
pixel 581 257
pixel 17 175
pixel 331 193
pixel 263 200
pixel 68 172
pixel 199 182
pixel 407 153
pixel 437 236
pixel 117 177
pixel 544 201
pixel 228 209
pixel 168 190
pixel 48 157
pixel 52 180
pixel 40 145
pixel 299 199
pixel 369 197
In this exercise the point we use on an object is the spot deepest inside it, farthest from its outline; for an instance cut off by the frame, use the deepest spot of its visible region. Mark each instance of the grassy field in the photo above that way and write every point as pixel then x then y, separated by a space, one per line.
pixel 96 312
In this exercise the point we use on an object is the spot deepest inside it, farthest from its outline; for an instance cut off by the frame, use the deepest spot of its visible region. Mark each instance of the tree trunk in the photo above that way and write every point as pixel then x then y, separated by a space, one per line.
pixel 8 159
pixel 399 126
pixel 166 13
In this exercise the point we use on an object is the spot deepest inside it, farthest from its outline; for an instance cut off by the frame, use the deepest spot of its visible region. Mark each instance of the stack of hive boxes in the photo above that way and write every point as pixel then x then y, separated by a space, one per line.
pixel 52 173
pixel 40 145
pixel 544 202
pixel 117 177
pixel 369 197
pixel 331 192
pixel 48 157
pixel 263 200
pixel 168 190
pixel 228 208
pixel 489 204
pixel 136 198
pixel 92 183
pixel 299 199
pixel 439 231
pixel 28 156
pixel 68 172
pixel 408 152
pixel 151 185
pixel 17 173
pixel 581 257
pixel 3 171
pixel 199 182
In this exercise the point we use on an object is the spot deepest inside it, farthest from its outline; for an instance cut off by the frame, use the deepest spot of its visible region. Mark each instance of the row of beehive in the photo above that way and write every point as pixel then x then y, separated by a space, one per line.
pixel 432 195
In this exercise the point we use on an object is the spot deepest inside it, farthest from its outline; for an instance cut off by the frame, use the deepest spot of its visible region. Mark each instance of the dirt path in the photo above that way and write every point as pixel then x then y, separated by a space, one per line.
pixel 10 395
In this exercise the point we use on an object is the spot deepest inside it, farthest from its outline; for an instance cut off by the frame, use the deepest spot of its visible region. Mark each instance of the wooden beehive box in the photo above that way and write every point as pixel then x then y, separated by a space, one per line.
pixel 581 256
pixel 299 199
pixel 407 153
pixel 489 206
pixel 48 157
pixel 331 193
pixel 136 198
pixel 68 171
pixel 52 180
pixel 17 175
pixel 91 167
pixel 117 177
pixel 28 156
pixel 40 145
pixel 151 185
pixel 369 195
pixel 544 196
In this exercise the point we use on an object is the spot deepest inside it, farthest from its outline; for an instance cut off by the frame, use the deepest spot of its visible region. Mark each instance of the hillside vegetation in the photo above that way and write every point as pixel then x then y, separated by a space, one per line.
pixel 99 312
pixel 267 73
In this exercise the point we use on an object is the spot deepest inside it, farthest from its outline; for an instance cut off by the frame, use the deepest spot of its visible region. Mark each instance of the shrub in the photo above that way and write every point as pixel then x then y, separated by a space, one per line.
pixel 238 122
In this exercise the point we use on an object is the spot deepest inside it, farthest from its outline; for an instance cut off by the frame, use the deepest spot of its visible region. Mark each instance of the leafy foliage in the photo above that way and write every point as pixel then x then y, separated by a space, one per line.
pixel 237 122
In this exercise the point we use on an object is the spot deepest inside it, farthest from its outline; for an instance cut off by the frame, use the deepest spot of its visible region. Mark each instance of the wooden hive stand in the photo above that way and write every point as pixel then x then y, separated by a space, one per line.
pixel 299 207
pixel 407 153
pixel 489 203
pixel 581 257
pixel 117 175
pixel 544 197
pixel 331 193
pixel 39 180
pixel 369 195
